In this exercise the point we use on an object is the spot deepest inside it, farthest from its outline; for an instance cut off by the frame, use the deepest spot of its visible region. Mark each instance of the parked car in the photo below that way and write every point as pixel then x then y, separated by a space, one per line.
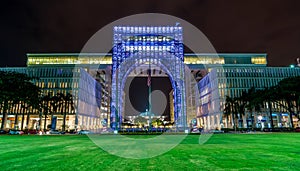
pixel 33 131
pixel 3 132
pixel 84 132
pixel 15 132
pixel 216 131
pixel 72 131
pixel 56 132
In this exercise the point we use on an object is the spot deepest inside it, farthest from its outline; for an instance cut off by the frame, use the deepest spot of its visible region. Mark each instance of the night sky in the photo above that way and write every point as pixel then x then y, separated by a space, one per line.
pixel 138 95
pixel 257 26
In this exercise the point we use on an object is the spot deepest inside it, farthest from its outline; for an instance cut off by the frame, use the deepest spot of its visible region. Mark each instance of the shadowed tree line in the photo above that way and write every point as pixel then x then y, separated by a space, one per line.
pixel 285 95
pixel 18 89
pixel 53 104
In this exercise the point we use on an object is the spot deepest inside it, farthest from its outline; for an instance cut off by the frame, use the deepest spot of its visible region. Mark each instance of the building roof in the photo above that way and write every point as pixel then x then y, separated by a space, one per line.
pixel 38 59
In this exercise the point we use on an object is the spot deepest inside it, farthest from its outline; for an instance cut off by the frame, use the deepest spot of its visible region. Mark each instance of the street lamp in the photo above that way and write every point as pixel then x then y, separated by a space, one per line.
pixel 260 118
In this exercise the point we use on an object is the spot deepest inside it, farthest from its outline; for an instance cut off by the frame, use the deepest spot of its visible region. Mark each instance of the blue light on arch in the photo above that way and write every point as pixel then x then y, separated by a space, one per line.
pixel 164 43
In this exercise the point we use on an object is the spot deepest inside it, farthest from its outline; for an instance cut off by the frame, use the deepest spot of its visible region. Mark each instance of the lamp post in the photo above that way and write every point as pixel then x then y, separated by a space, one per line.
pixel 260 118
pixel 149 96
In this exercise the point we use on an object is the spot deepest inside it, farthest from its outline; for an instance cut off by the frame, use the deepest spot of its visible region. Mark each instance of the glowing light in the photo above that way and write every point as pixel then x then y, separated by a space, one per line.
pixel 144 44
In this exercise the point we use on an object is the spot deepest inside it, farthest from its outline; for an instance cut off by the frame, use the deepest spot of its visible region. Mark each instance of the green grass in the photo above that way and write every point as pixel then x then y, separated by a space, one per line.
pixel 269 151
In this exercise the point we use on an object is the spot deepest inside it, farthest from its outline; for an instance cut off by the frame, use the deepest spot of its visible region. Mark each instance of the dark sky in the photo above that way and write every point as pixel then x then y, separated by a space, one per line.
pixel 262 26
pixel 138 95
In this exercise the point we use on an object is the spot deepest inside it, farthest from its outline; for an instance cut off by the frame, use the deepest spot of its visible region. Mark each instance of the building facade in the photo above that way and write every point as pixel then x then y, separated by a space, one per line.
pixel 77 74
pixel 69 94
pixel 232 82
pixel 84 90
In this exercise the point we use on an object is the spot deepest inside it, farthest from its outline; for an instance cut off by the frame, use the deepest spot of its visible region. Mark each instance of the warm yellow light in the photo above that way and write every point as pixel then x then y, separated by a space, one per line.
pixel 258 60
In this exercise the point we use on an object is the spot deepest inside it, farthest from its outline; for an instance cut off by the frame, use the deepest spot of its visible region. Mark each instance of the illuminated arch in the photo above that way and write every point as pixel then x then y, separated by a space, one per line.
pixel 132 67
pixel 156 45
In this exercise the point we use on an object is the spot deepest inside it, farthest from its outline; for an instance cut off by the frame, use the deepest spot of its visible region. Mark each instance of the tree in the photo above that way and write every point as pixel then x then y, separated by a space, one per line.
pixel 140 120
pixel 45 108
pixel 66 103
pixel 231 108
pixel 237 106
pixel 54 103
pixel 29 98
pixel 243 101
pixel 288 93
pixel 269 95
pixel 228 108
pixel 255 99
pixel 157 122
pixel 15 87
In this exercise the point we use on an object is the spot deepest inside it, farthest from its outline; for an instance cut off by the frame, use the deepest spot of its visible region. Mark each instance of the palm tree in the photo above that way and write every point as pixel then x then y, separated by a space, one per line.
pixel 7 93
pixel 231 107
pixel 243 101
pixel 29 98
pixel 66 103
pixel 288 90
pixel 54 103
pixel 45 107
pixel 269 95
pixel 287 95
pixel 23 107
pixel 228 108
pixel 254 101
pixel 14 87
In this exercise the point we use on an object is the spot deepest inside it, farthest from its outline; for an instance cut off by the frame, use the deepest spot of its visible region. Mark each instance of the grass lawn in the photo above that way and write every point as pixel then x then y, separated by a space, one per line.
pixel 265 151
